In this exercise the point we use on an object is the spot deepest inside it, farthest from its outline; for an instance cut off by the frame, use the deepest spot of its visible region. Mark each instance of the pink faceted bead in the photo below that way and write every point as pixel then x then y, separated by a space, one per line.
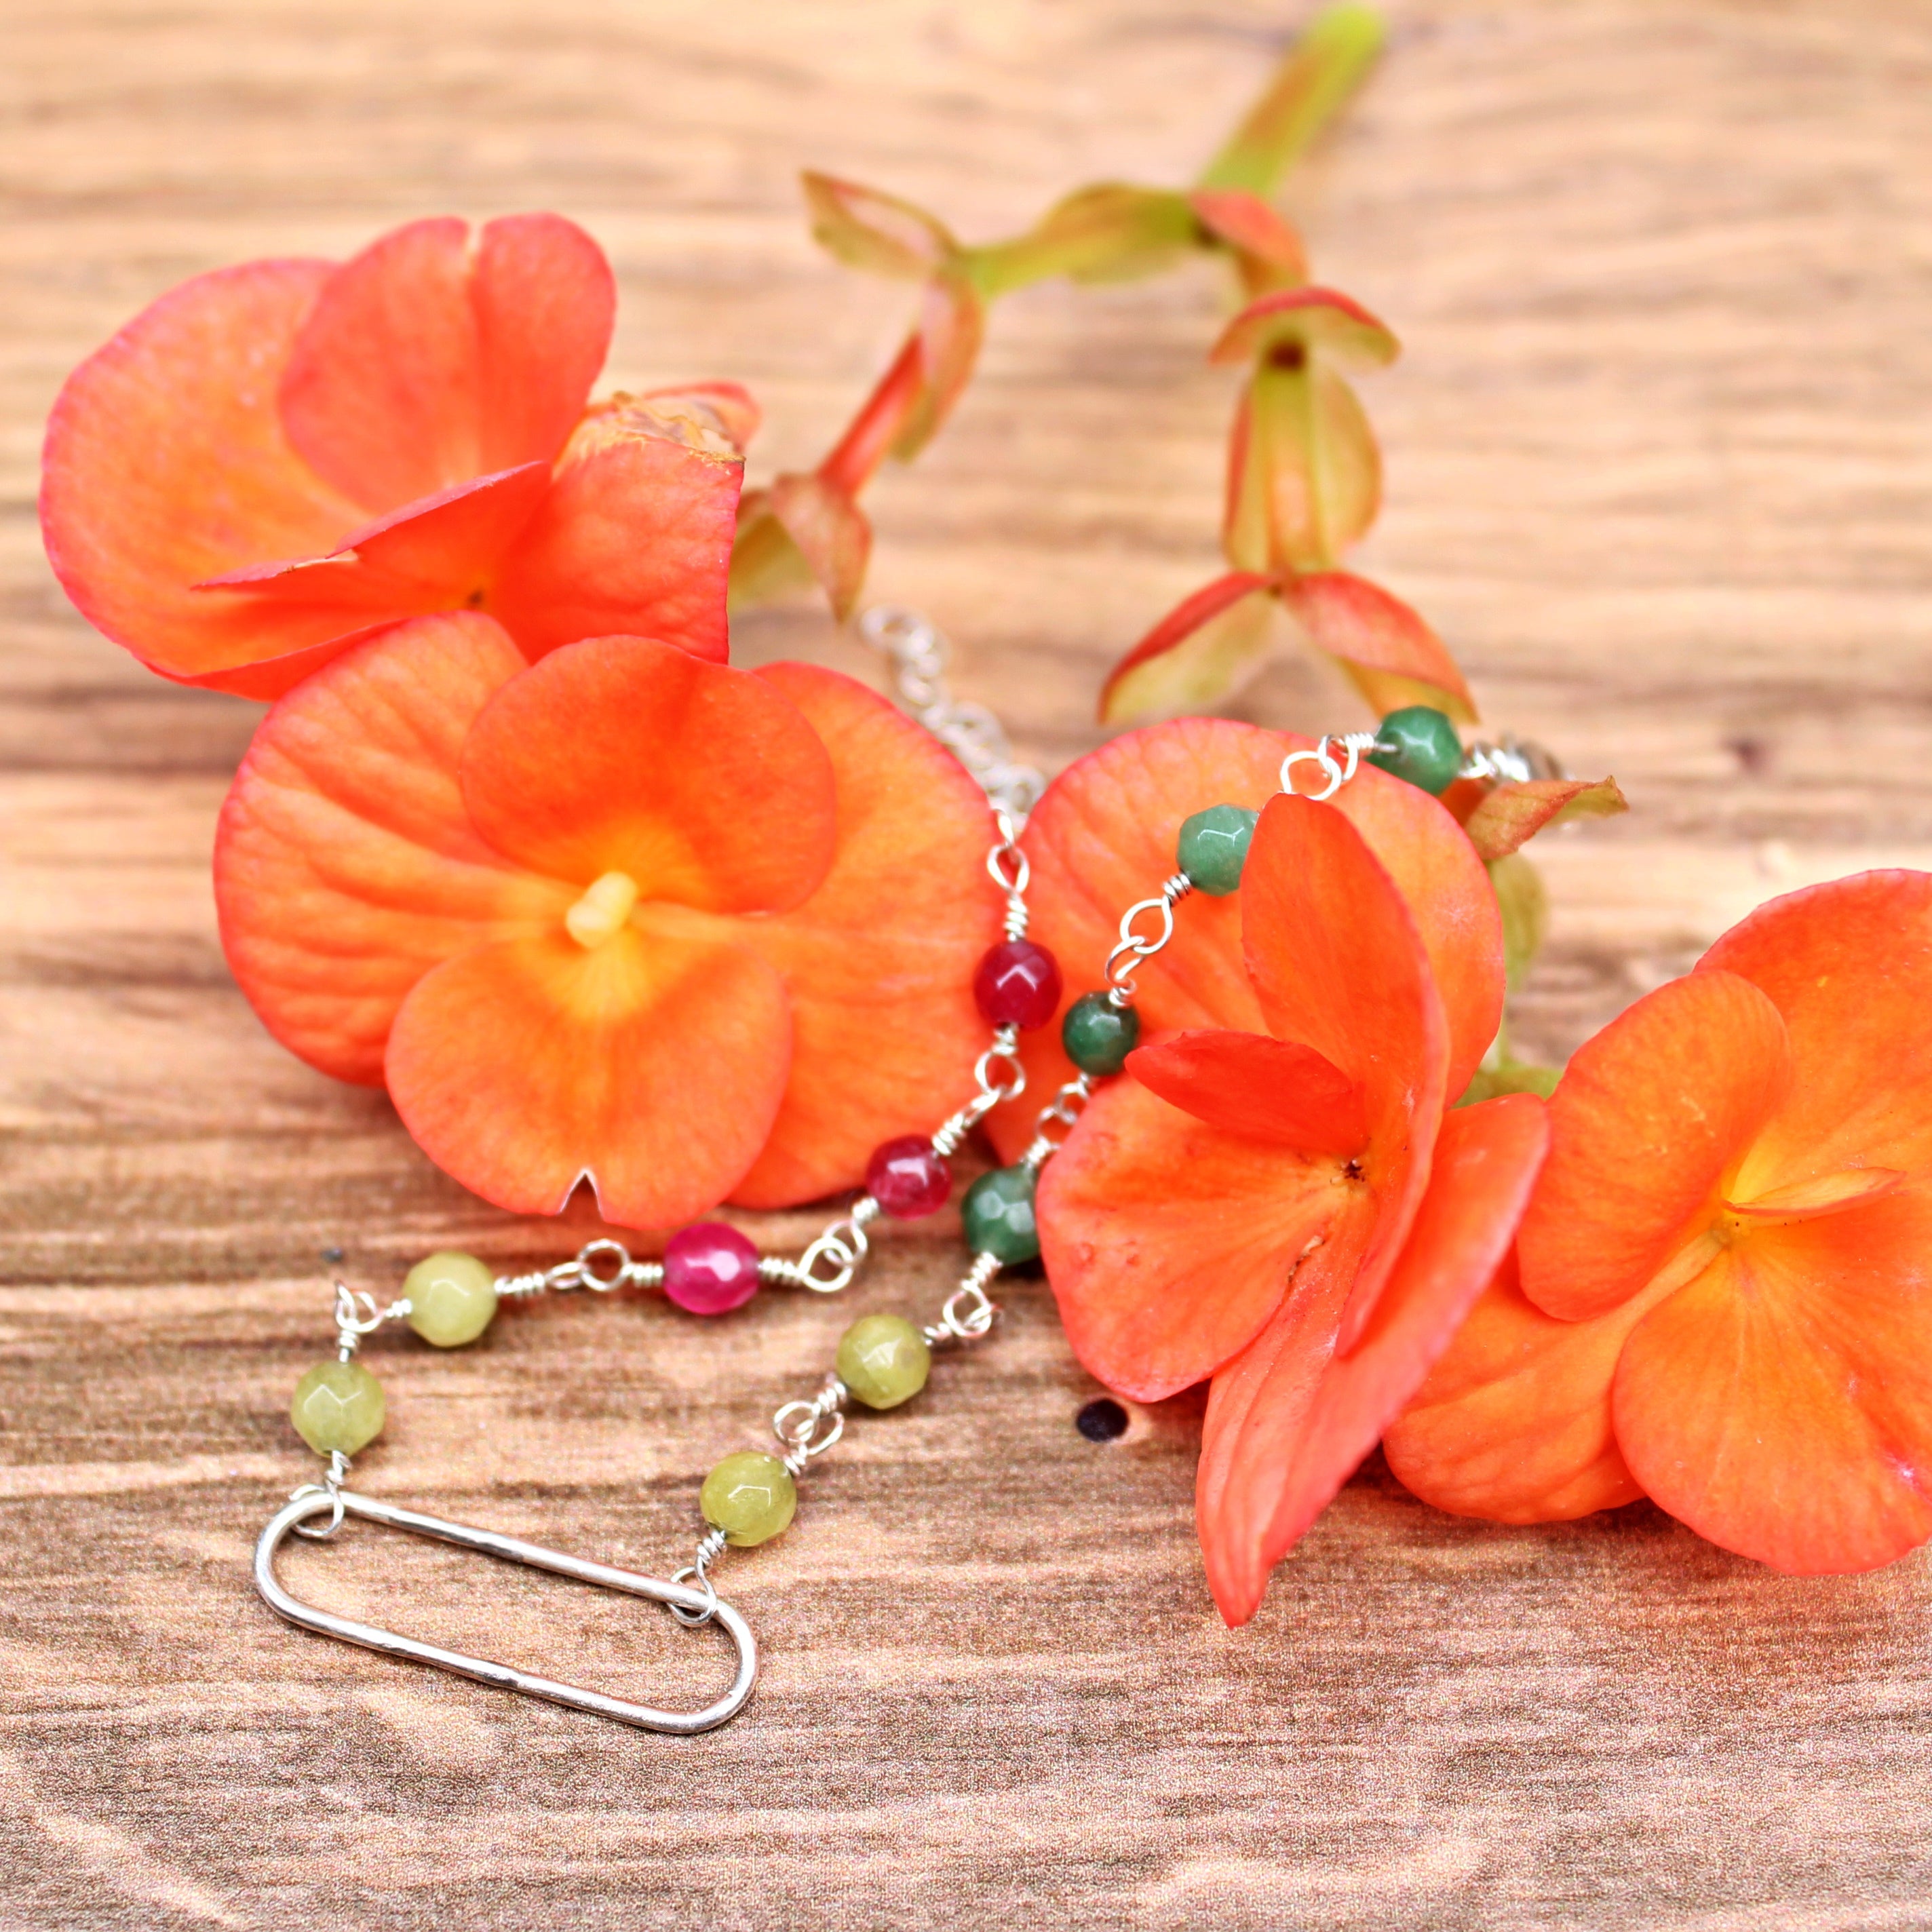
pixel 710 1269
pixel 907 1179
pixel 1018 984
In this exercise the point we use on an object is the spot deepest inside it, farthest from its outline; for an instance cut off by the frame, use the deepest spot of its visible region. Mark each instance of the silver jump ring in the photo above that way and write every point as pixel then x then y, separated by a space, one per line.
pixel 1337 777
pixel 603 1249
pixel 335 1515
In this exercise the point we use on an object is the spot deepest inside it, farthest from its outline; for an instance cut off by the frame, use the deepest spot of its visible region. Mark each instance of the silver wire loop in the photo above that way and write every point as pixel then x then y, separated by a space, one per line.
pixel 805 1430
pixel 708 1553
pixel 331 1486
pixel 968 1314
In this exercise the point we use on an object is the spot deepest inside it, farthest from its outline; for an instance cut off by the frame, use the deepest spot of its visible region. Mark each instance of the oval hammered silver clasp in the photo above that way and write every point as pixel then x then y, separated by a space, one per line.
pixel 503 1676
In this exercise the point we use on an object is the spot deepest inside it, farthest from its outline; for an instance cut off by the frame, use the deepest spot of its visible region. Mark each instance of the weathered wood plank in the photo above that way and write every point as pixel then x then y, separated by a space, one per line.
pixel 1658 468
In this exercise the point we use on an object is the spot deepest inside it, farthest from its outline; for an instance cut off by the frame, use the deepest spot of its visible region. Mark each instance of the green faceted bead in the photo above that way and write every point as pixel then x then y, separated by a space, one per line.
pixel 883 1360
pixel 997 1216
pixel 1213 847
pixel 1098 1035
pixel 1426 751
pixel 338 1406
pixel 452 1299
pixel 751 1497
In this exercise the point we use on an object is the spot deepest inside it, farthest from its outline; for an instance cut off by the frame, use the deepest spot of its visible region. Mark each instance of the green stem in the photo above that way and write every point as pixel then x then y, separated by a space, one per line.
pixel 1320 72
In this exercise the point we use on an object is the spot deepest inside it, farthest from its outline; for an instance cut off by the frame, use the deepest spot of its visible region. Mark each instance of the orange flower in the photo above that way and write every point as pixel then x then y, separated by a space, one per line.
pixel 684 931
pixel 1275 1198
pixel 1725 1291
pixel 273 460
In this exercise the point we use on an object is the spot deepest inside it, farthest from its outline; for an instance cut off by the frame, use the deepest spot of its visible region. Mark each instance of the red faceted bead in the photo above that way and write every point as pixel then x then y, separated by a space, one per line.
pixel 710 1269
pixel 1018 984
pixel 907 1179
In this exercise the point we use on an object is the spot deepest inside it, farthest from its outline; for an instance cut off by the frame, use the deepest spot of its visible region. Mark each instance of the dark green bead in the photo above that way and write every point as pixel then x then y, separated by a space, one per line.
pixel 1098 1035
pixel 1427 752
pixel 1213 847
pixel 997 1215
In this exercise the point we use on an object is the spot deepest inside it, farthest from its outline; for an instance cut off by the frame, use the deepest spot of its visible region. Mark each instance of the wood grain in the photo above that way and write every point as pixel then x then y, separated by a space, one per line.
pixel 1659 468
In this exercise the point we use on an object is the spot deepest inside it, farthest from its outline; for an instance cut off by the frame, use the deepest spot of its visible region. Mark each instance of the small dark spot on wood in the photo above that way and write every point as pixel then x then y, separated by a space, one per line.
pixel 333 1256
pixel 1753 755
pixel 1103 1420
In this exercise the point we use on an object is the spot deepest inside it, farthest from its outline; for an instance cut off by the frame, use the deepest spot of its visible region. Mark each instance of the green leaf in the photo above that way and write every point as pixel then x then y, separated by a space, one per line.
pixel 1525 905
pixel 1510 1076
pixel 878 232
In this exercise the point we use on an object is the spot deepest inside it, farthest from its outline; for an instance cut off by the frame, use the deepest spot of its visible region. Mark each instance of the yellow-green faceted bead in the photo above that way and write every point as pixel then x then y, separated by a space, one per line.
pixel 751 1497
pixel 452 1298
pixel 883 1360
pixel 338 1405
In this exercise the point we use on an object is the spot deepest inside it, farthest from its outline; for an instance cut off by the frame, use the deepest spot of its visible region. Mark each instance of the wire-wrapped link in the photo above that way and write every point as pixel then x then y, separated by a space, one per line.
pixel 1513 761
pixel 1133 946
pixel 841 1249
pixel 356 1315
pixel 994 1089
pixel 917 651
pixel 1011 872
pixel 1336 771
pixel 602 1267
pixel 968 1313
pixel 805 1430
pixel 331 1486
pixel 1069 1104
pixel 709 1551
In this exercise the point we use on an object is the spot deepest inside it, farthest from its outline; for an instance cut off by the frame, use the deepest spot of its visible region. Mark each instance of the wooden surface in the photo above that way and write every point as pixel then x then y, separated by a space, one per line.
pixel 1660 467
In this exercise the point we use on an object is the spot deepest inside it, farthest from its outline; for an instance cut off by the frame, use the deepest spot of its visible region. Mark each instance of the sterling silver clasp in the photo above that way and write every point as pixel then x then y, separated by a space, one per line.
pixel 313 1501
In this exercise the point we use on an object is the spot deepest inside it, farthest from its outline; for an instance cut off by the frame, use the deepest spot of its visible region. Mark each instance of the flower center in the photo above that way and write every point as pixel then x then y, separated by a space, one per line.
pixel 603 911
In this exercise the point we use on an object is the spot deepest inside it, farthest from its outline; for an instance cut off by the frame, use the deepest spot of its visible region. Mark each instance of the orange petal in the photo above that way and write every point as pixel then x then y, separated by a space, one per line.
pixel 1447 894
pixel 1159 1284
pixel 216 485
pixel 429 556
pixel 1206 646
pixel 1393 655
pixel 1290 1420
pixel 425 361
pixel 1849 965
pixel 1506 817
pixel 1270 249
pixel 634 540
pixel 1512 1422
pixel 1318 322
pixel 1104 836
pixel 879 961
pixel 705 785
pixel 1335 956
pixel 1258 1088
pixel 345 866
pixel 1650 1117
pixel 651 1066
pixel 1781 1403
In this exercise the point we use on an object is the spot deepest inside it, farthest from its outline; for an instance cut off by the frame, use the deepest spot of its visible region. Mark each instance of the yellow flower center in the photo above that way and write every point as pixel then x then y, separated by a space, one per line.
pixel 604 911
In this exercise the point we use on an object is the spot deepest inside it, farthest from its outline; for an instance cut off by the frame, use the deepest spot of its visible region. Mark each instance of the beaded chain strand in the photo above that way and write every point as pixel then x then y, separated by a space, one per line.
pixel 882 1361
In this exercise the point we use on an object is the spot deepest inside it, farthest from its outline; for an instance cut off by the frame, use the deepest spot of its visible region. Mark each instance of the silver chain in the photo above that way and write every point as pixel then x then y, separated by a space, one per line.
pixel 917 651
